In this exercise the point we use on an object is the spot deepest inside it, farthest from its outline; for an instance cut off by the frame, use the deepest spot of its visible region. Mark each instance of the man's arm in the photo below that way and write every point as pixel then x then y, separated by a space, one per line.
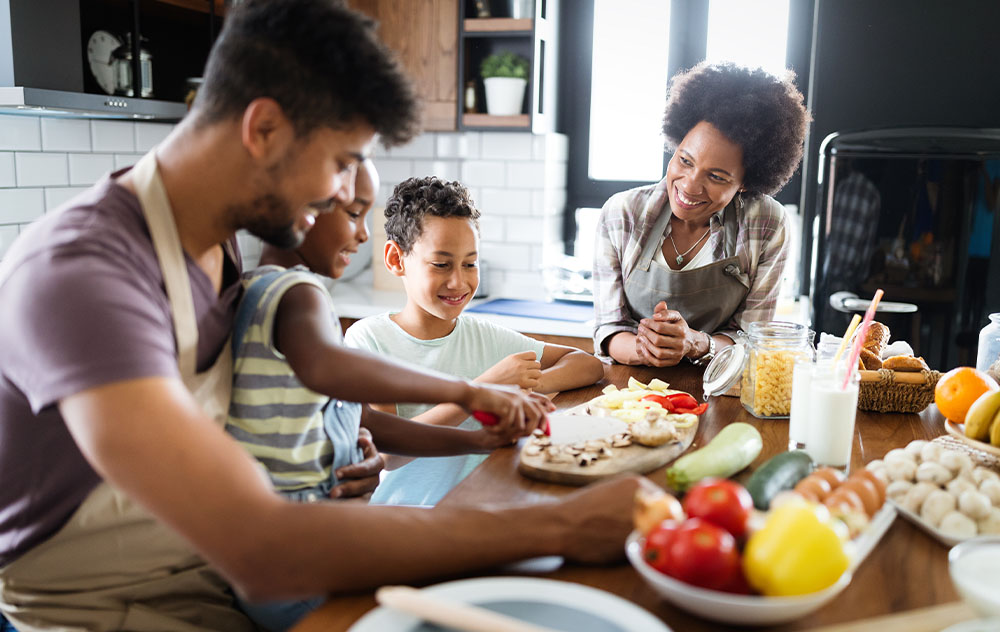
pixel 149 438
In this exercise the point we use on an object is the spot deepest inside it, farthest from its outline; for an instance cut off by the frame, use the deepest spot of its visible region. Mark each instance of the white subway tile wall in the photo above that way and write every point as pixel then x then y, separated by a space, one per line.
pixel 45 161
pixel 518 181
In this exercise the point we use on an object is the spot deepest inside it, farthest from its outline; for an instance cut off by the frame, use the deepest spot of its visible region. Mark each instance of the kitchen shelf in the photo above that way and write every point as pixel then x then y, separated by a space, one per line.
pixel 498 25
pixel 533 38
pixel 492 120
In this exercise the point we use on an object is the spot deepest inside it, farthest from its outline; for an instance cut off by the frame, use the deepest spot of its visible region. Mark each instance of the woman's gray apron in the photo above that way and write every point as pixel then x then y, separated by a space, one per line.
pixel 113 566
pixel 706 297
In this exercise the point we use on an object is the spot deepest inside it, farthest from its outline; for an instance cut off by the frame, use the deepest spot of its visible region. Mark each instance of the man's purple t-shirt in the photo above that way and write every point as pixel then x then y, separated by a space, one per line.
pixel 83 305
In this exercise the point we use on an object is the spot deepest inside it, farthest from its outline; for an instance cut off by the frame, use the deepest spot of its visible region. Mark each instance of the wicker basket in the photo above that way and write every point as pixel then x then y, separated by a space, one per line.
pixel 881 392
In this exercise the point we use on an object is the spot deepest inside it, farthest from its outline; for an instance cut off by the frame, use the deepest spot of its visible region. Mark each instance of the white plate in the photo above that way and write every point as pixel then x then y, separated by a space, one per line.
pixel 754 609
pixel 558 605
pixel 934 532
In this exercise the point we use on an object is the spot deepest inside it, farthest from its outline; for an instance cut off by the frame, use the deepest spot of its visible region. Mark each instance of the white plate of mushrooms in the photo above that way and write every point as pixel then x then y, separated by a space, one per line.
pixel 941 490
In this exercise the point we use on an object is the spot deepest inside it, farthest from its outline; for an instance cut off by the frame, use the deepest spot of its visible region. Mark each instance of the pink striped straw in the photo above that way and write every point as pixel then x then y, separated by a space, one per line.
pixel 859 341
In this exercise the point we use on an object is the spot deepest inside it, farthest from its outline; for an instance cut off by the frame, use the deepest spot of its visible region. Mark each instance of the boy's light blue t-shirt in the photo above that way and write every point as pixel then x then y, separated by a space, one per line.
pixel 470 349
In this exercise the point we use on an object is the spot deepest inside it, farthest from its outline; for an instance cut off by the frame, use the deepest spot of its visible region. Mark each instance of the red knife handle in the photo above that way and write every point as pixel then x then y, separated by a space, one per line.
pixel 485 418
pixel 489 419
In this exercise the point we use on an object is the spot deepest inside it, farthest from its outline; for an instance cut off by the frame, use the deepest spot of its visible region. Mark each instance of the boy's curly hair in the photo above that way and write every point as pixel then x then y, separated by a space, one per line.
pixel 758 111
pixel 416 198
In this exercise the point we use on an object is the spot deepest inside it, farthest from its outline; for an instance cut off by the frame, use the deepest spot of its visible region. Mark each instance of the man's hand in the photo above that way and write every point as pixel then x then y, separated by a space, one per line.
pixel 665 339
pixel 520 369
pixel 518 413
pixel 598 519
pixel 361 478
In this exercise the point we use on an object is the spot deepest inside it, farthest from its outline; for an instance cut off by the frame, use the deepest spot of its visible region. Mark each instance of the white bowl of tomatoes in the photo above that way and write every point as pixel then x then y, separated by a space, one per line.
pixel 691 555
pixel 725 606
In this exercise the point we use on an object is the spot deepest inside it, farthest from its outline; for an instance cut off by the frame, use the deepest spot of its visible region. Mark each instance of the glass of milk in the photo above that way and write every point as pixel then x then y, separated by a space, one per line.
pixel 798 416
pixel 831 412
pixel 974 566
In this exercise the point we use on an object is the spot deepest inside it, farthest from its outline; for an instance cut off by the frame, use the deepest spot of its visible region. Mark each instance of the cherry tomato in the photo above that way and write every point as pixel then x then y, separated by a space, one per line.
pixel 662 400
pixel 722 502
pixel 656 551
pixel 702 554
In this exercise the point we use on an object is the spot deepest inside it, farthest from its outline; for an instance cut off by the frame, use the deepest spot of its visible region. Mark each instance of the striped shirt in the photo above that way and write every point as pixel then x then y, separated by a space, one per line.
pixel 277 419
pixel 626 223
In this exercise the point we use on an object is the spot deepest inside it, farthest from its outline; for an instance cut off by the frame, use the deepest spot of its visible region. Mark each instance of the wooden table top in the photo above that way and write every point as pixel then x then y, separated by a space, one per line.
pixel 907 569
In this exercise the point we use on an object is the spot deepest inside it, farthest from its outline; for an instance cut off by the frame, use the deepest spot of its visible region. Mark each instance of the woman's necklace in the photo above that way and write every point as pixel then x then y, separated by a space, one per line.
pixel 681 255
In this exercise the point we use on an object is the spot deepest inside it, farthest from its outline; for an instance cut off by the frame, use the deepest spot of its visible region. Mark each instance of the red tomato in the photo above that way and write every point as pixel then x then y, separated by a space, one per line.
pixel 656 551
pixel 662 400
pixel 739 585
pixel 703 554
pixel 721 502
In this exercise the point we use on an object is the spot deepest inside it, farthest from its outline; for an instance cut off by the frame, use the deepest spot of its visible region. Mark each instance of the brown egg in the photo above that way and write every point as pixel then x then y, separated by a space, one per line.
pixel 814 489
pixel 866 491
pixel 830 475
pixel 876 481
pixel 846 499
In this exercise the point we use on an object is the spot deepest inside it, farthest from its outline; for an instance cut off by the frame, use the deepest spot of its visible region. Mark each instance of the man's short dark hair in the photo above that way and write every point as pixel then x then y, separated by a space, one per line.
pixel 414 199
pixel 760 112
pixel 318 59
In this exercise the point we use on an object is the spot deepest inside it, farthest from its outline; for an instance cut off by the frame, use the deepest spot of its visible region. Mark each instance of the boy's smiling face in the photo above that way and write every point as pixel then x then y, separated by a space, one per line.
pixel 441 272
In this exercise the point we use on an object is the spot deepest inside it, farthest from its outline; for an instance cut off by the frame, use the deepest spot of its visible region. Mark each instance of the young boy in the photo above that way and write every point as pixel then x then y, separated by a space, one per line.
pixel 433 245
pixel 288 370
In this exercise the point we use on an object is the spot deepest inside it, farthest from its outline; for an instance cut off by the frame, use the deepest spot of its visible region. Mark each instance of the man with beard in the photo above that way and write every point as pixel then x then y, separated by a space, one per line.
pixel 123 503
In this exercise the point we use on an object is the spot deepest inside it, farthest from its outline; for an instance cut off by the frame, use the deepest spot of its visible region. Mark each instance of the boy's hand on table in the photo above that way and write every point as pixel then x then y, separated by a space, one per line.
pixel 598 518
pixel 520 369
pixel 361 478
pixel 518 413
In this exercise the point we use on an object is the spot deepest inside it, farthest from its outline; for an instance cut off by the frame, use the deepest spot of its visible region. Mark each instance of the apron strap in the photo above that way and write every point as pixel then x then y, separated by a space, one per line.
pixel 167 244
pixel 649 249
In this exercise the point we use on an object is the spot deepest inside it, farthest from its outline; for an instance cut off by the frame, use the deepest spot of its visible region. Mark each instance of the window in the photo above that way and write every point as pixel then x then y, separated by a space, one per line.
pixel 628 89
pixel 749 33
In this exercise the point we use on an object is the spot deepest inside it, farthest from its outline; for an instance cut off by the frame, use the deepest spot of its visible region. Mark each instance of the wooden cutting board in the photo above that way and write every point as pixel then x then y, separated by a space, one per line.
pixel 635 458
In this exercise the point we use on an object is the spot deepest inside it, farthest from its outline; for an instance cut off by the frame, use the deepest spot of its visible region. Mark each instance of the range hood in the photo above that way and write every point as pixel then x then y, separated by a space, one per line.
pixel 39 101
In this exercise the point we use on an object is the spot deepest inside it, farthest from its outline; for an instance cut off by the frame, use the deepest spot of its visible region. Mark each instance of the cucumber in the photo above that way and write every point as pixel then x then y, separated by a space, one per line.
pixel 777 474
pixel 734 448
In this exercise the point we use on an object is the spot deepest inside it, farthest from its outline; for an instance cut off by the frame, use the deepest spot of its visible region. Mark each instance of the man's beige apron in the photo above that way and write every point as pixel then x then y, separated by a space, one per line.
pixel 113 566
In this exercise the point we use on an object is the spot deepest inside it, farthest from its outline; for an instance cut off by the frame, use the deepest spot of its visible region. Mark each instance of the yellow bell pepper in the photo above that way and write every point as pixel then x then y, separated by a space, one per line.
pixel 796 552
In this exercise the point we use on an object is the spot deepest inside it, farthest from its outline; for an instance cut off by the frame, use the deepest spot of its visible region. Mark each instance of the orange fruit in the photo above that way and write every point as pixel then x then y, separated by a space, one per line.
pixel 958 388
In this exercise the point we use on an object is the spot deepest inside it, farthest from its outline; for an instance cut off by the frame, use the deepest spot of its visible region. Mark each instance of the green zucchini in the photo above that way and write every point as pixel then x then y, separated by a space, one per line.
pixel 734 448
pixel 779 473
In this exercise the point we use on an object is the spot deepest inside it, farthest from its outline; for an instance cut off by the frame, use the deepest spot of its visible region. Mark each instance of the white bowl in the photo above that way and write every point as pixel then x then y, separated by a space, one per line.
pixel 727 607
pixel 974 566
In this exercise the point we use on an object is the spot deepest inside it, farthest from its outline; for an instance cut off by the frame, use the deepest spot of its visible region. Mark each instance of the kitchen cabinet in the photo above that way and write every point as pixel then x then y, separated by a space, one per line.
pixel 424 34
pixel 534 38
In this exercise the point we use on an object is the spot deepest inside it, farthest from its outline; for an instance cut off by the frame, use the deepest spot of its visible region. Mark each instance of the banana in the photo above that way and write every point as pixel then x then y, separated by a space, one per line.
pixel 981 415
pixel 995 430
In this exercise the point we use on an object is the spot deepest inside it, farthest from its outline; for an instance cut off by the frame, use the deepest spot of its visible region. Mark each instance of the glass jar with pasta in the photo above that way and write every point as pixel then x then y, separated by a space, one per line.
pixel 773 347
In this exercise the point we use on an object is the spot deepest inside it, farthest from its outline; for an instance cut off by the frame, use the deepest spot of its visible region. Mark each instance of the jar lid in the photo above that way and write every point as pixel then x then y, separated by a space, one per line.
pixel 724 370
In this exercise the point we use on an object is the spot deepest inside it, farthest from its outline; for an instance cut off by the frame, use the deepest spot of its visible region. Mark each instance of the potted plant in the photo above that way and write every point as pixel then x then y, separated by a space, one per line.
pixel 505 76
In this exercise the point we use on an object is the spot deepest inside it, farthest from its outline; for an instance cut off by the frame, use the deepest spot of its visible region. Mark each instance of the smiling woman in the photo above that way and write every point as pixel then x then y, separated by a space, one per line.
pixel 683 264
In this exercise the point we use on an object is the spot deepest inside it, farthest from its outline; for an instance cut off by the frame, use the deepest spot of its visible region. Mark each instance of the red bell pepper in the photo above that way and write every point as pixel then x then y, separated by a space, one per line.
pixel 662 400
pixel 697 410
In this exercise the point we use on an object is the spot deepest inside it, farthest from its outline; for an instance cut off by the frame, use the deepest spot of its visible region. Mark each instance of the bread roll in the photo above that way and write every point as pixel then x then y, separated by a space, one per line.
pixel 870 361
pixel 904 363
pixel 876 338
